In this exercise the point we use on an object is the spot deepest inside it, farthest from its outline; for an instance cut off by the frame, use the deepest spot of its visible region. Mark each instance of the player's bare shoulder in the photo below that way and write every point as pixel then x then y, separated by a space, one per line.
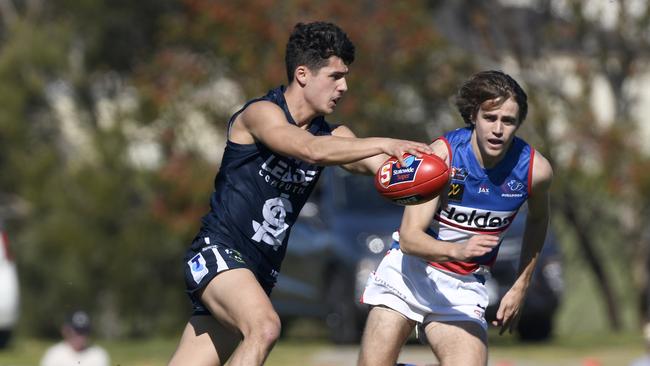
pixel 254 117
pixel 542 173
pixel 441 149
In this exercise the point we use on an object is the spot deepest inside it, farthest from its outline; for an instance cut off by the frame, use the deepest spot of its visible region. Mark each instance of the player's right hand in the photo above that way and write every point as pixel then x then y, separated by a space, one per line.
pixel 476 246
pixel 398 148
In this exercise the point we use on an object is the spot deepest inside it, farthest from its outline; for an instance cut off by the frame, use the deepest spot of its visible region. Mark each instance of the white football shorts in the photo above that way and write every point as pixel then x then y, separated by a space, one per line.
pixel 423 293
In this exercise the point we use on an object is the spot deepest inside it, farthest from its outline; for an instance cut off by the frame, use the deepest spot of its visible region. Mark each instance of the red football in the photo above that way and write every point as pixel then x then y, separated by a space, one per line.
pixel 420 180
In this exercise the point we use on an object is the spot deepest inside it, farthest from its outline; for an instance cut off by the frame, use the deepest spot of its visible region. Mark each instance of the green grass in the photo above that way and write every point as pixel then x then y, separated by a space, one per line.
pixel 148 352
pixel 607 349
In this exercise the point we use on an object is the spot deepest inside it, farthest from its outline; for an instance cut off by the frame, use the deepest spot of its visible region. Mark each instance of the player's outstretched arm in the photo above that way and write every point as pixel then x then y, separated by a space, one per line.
pixel 532 243
pixel 388 146
pixel 265 122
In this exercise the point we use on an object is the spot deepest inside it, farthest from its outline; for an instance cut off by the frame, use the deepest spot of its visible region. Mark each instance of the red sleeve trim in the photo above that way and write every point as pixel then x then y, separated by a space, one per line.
pixel 530 171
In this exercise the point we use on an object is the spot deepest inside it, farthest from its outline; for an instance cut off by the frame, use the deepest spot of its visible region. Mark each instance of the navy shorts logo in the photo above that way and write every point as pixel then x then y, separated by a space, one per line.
pixel 197 267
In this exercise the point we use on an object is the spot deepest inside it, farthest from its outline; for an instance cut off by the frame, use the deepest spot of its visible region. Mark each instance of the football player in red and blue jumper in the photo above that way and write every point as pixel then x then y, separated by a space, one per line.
pixel 434 278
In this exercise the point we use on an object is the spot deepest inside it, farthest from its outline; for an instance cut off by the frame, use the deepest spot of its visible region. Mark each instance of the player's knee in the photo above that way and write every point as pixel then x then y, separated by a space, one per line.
pixel 266 330
pixel 271 331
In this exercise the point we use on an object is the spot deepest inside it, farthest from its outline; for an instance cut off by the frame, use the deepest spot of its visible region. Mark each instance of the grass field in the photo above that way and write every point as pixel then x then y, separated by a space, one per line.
pixel 591 350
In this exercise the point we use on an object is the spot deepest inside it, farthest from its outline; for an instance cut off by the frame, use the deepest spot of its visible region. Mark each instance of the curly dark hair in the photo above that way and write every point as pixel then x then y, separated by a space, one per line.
pixel 495 86
pixel 311 44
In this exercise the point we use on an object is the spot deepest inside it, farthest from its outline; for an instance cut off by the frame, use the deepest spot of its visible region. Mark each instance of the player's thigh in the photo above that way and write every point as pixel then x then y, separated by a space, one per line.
pixel 236 298
pixel 205 342
pixel 458 343
pixel 385 333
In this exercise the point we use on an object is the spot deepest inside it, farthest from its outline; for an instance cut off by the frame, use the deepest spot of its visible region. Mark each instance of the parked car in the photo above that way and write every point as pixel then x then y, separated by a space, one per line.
pixel 343 233
pixel 9 294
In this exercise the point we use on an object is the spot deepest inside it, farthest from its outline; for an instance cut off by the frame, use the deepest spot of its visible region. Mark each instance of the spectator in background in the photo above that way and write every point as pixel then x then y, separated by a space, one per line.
pixel 76 348
pixel 645 359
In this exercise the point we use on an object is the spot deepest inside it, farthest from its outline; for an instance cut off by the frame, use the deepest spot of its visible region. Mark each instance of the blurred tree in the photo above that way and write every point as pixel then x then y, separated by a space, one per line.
pixel 596 188
pixel 402 74
pixel 91 238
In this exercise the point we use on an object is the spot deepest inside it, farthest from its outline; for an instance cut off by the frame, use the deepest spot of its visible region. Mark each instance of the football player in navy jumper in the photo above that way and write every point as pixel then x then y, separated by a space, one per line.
pixel 434 276
pixel 277 147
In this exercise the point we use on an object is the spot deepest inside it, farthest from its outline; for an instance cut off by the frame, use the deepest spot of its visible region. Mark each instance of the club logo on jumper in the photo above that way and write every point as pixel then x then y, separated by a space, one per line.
pixel 197 267
pixel 484 189
pixel 458 173
pixel 286 176
pixel 393 172
pixel 274 228
pixel 474 219
pixel 456 191
pixel 513 188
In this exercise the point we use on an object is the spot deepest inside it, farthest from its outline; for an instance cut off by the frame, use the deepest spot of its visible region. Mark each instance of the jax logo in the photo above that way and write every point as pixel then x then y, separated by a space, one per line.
pixel 394 173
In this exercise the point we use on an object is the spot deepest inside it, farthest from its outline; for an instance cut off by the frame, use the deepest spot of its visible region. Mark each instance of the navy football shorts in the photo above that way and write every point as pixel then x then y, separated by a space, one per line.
pixel 204 261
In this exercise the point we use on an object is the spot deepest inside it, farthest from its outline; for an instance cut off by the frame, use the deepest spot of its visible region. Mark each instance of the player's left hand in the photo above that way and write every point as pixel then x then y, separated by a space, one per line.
pixel 509 310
